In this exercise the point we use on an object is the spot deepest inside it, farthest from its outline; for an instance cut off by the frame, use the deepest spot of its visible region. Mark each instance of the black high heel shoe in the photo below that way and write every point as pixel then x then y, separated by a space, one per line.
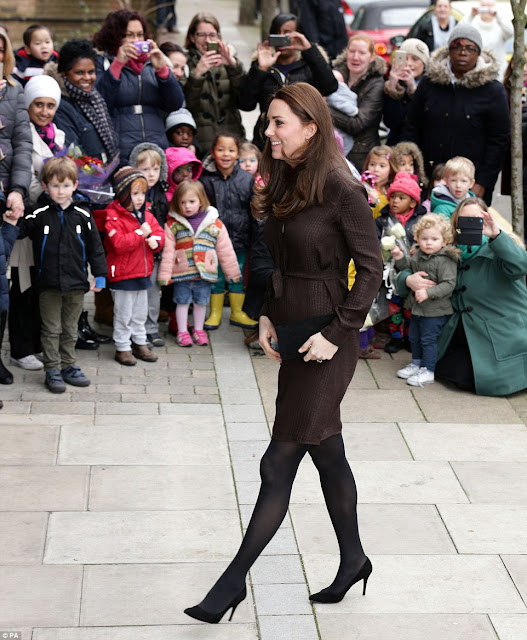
pixel 88 331
pixel 213 618
pixel 329 598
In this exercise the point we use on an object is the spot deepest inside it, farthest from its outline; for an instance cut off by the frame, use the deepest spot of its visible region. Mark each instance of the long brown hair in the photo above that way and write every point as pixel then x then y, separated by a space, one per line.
pixel 291 188
pixel 202 16
pixel 9 58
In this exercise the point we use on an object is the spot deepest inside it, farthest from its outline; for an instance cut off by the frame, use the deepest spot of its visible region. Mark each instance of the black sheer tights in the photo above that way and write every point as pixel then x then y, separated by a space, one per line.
pixel 278 469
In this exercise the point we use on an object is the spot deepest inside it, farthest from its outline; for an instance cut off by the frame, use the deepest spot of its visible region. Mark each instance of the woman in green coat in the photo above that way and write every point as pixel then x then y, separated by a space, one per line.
pixel 483 346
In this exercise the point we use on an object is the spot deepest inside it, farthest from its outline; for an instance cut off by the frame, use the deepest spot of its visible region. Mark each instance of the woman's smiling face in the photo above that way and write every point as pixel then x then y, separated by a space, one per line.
pixel 287 134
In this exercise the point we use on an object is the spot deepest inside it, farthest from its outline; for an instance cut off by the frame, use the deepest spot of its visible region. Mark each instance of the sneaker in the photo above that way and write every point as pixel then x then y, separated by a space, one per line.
pixel 408 371
pixel 54 381
pixel 74 376
pixel 155 339
pixel 200 337
pixel 183 339
pixel 422 377
pixel 31 363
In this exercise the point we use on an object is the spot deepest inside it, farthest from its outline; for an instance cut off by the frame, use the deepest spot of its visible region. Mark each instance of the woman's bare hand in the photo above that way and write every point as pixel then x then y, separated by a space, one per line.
pixel 418 280
pixel 316 347
pixel 266 332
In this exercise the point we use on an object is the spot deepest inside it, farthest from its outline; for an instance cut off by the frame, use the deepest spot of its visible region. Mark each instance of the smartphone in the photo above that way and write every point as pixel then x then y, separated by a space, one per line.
pixel 484 10
pixel 213 46
pixel 399 60
pixel 470 230
pixel 142 46
pixel 277 40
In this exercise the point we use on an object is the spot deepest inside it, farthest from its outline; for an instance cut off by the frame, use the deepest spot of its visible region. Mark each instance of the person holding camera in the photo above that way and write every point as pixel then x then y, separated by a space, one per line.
pixel 215 77
pixel 286 57
pixel 134 79
pixel 477 350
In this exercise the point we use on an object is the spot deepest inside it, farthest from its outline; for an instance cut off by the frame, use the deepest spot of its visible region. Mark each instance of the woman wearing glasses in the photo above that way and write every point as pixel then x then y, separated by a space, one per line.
pixel 134 79
pixel 460 109
pixel 215 76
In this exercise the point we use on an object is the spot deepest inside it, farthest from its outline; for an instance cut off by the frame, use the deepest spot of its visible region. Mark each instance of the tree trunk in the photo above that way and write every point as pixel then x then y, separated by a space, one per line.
pixel 268 8
pixel 519 21
pixel 247 11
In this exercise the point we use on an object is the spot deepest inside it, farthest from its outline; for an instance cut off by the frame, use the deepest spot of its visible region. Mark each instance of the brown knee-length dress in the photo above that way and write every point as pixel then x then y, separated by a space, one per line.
pixel 311 252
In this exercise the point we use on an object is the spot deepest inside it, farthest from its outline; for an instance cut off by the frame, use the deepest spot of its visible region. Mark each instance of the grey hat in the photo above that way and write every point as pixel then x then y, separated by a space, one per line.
pixel 468 32
pixel 181 116
pixel 417 48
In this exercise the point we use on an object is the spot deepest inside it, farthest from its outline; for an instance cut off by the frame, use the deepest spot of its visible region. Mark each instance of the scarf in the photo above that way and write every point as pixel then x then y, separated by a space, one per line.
pixel 137 65
pixel 47 134
pixel 466 254
pixel 93 106
pixel 404 217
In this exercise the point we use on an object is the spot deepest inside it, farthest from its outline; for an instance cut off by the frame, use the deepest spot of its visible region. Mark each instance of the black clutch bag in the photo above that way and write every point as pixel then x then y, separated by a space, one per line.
pixel 292 335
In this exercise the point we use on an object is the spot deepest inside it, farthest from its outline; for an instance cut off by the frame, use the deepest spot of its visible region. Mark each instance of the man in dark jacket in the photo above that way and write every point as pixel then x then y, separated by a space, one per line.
pixel 323 24
pixel 460 109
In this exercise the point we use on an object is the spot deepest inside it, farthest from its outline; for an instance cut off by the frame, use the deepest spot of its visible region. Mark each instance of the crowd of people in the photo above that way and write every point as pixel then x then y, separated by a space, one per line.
pixel 168 230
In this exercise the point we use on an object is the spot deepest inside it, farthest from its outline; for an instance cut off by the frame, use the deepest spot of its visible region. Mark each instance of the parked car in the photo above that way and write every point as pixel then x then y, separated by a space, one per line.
pixel 387 19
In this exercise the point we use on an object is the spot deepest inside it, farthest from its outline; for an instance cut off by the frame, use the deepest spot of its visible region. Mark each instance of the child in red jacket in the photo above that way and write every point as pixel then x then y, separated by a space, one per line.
pixel 132 236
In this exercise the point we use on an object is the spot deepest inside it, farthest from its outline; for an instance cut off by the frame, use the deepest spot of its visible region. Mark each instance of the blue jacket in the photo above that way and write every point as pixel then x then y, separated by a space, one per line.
pixel 136 103
pixel 7 240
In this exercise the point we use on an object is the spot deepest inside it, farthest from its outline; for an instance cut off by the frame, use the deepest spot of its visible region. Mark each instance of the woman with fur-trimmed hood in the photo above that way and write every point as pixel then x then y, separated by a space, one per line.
pixel 460 108
pixel 363 72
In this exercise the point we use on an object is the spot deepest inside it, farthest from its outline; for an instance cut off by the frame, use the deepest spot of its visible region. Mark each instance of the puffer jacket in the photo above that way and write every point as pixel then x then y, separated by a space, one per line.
pixel 386 220
pixel 70 119
pixel 41 152
pixel 212 100
pixel 177 156
pixel 193 256
pixel 469 118
pixel 15 142
pixel 259 86
pixel 64 242
pixel 136 103
pixel 156 195
pixel 232 198
pixel 8 235
pixel 364 127
pixel 127 253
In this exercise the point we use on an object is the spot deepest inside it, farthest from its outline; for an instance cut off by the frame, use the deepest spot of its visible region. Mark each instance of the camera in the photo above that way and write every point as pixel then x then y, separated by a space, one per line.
pixel 470 230
pixel 142 46
pixel 277 40
pixel 212 46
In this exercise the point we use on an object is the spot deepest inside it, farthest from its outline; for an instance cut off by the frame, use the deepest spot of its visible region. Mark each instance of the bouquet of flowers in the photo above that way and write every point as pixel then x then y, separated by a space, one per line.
pixel 94 176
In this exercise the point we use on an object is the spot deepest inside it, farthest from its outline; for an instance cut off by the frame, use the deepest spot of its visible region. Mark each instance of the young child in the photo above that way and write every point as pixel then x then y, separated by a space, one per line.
pixel 151 161
pixel 182 165
pixel 195 241
pixel 429 308
pixel 180 128
pixel 345 101
pixel 132 236
pixel 459 179
pixel 36 52
pixel 65 240
pixel 403 208
pixel 437 178
pixel 379 171
pixel 249 160
pixel 230 190
pixel 408 157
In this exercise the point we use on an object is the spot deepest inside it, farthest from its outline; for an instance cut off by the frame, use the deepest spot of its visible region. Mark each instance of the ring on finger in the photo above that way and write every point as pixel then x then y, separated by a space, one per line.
pixel 319 361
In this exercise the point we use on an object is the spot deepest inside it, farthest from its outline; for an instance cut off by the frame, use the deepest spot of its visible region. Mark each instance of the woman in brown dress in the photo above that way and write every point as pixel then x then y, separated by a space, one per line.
pixel 318 219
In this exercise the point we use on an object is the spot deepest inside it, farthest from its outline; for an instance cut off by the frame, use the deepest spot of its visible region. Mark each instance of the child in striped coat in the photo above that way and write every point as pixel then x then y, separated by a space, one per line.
pixel 195 241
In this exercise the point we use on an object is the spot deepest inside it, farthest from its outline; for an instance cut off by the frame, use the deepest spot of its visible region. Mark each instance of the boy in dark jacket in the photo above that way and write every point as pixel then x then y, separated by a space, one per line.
pixel 65 240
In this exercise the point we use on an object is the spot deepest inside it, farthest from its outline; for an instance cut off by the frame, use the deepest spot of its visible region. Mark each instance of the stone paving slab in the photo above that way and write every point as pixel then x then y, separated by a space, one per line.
pixel 22 537
pixel 152 595
pixel 232 631
pixel 282 599
pixel 385 529
pixel 441 584
pixel 142 537
pixel 28 444
pixel 513 627
pixel 493 482
pixel 374 441
pixel 156 488
pixel 486 528
pixel 290 627
pixel 277 569
pixel 517 567
pixel 486 442
pixel 405 627
pixel 39 596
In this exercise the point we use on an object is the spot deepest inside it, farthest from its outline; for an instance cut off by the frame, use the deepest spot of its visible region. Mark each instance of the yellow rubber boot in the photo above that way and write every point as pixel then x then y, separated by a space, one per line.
pixel 216 310
pixel 238 317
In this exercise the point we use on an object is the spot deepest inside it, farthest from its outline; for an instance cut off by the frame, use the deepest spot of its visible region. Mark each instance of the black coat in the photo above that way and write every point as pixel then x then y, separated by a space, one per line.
pixel 383 221
pixel 259 86
pixel 8 235
pixel 469 118
pixel 232 198
pixel 64 242
pixel 323 24
pixel 260 270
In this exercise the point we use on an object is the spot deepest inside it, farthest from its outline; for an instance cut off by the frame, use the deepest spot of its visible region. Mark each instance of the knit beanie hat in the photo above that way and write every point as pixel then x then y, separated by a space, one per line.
pixel 122 181
pixel 181 116
pixel 41 87
pixel 404 183
pixel 468 32
pixel 416 48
